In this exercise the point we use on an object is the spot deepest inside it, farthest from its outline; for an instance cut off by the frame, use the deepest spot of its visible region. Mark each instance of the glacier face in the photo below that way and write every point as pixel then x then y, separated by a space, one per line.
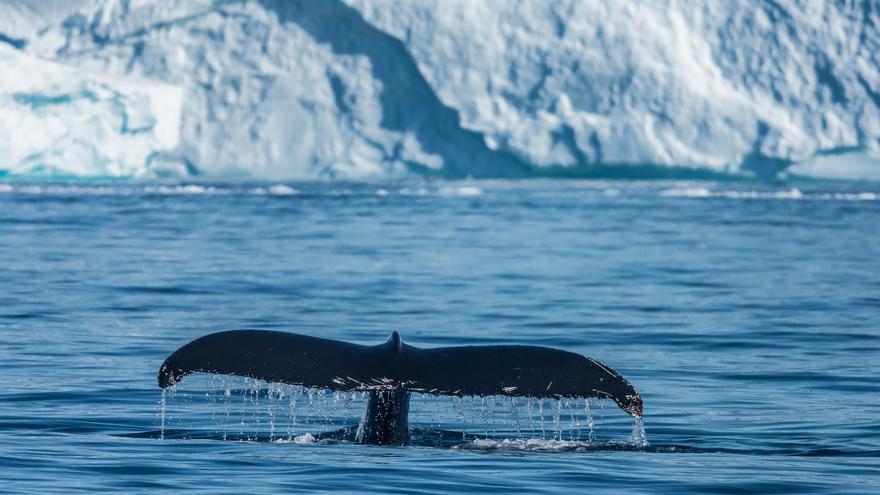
pixel 58 120
pixel 729 86
pixel 278 89
pixel 21 19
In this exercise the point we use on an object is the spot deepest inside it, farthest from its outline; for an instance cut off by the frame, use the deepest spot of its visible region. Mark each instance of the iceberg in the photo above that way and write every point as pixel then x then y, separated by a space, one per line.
pixel 363 89
pixel 733 87
pixel 58 120
pixel 22 19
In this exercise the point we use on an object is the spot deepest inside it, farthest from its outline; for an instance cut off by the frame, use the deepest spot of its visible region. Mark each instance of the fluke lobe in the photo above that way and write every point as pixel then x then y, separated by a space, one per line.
pixel 390 371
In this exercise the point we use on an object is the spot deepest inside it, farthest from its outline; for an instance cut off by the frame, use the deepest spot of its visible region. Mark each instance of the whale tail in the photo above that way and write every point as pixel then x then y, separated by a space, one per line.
pixel 512 370
pixel 391 370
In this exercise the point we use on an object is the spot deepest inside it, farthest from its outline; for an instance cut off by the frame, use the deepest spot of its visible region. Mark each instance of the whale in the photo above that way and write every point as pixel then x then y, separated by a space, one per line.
pixel 391 371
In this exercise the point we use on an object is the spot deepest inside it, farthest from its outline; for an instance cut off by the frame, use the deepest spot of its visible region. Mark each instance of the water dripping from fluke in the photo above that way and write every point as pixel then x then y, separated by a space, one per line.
pixel 162 404
pixel 279 413
pixel 638 437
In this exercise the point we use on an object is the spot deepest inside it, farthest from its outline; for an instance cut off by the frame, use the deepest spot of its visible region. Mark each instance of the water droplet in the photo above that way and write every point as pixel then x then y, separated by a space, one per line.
pixel 638 437
pixel 162 416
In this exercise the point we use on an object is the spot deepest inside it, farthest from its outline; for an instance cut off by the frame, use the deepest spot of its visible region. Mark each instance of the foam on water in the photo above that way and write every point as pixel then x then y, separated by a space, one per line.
pixel 691 192
pixel 792 193
pixel 282 190
pixel 865 196
pixel 622 190
pixel 703 192
pixel 530 444
pixel 304 438
pixel 182 189
pixel 461 191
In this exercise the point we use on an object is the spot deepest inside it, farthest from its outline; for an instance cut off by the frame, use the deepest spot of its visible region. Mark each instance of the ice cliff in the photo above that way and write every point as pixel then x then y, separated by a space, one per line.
pixel 279 89
pixel 64 121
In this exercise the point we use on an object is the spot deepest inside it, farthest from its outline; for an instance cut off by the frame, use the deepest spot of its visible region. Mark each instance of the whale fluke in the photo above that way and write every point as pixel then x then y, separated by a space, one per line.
pixel 393 369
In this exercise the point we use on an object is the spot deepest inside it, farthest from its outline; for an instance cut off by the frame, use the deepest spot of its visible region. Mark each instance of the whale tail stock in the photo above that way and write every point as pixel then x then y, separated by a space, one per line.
pixel 512 370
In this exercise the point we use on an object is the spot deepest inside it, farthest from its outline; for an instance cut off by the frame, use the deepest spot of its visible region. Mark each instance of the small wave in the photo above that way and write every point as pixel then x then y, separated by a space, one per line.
pixel 531 444
pixel 182 189
pixel 703 192
pixel 864 196
pixel 826 452
pixel 461 191
pixel 419 191
pixel 305 438
pixel 282 190
pixel 109 190
pixel 541 445
pixel 793 194
pixel 186 189
pixel 275 190
pixel 50 189
pixel 636 440
pixel 690 192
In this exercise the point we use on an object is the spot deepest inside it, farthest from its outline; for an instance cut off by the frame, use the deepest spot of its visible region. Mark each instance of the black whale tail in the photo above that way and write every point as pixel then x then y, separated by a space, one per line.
pixel 393 369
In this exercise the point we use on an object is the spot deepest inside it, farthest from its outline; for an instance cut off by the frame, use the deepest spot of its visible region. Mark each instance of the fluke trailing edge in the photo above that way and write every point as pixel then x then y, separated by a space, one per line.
pixel 390 371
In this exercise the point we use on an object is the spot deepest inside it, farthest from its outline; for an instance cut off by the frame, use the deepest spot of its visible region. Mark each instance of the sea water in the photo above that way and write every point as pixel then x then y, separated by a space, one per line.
pixel 745 313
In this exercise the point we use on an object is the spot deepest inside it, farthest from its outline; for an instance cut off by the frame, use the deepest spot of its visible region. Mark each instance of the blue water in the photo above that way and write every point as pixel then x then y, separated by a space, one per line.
pixel 745 313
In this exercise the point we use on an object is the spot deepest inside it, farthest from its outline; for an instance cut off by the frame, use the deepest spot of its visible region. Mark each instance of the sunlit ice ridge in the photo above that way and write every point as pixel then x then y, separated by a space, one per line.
pixel 277 90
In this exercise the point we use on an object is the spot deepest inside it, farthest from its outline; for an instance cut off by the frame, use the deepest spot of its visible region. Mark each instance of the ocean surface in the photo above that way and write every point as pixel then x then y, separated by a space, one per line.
pixel 746 313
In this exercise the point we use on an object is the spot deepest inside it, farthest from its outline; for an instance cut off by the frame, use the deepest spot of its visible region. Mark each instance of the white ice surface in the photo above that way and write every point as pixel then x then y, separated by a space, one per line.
pixel 278 90
pixel 60 120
